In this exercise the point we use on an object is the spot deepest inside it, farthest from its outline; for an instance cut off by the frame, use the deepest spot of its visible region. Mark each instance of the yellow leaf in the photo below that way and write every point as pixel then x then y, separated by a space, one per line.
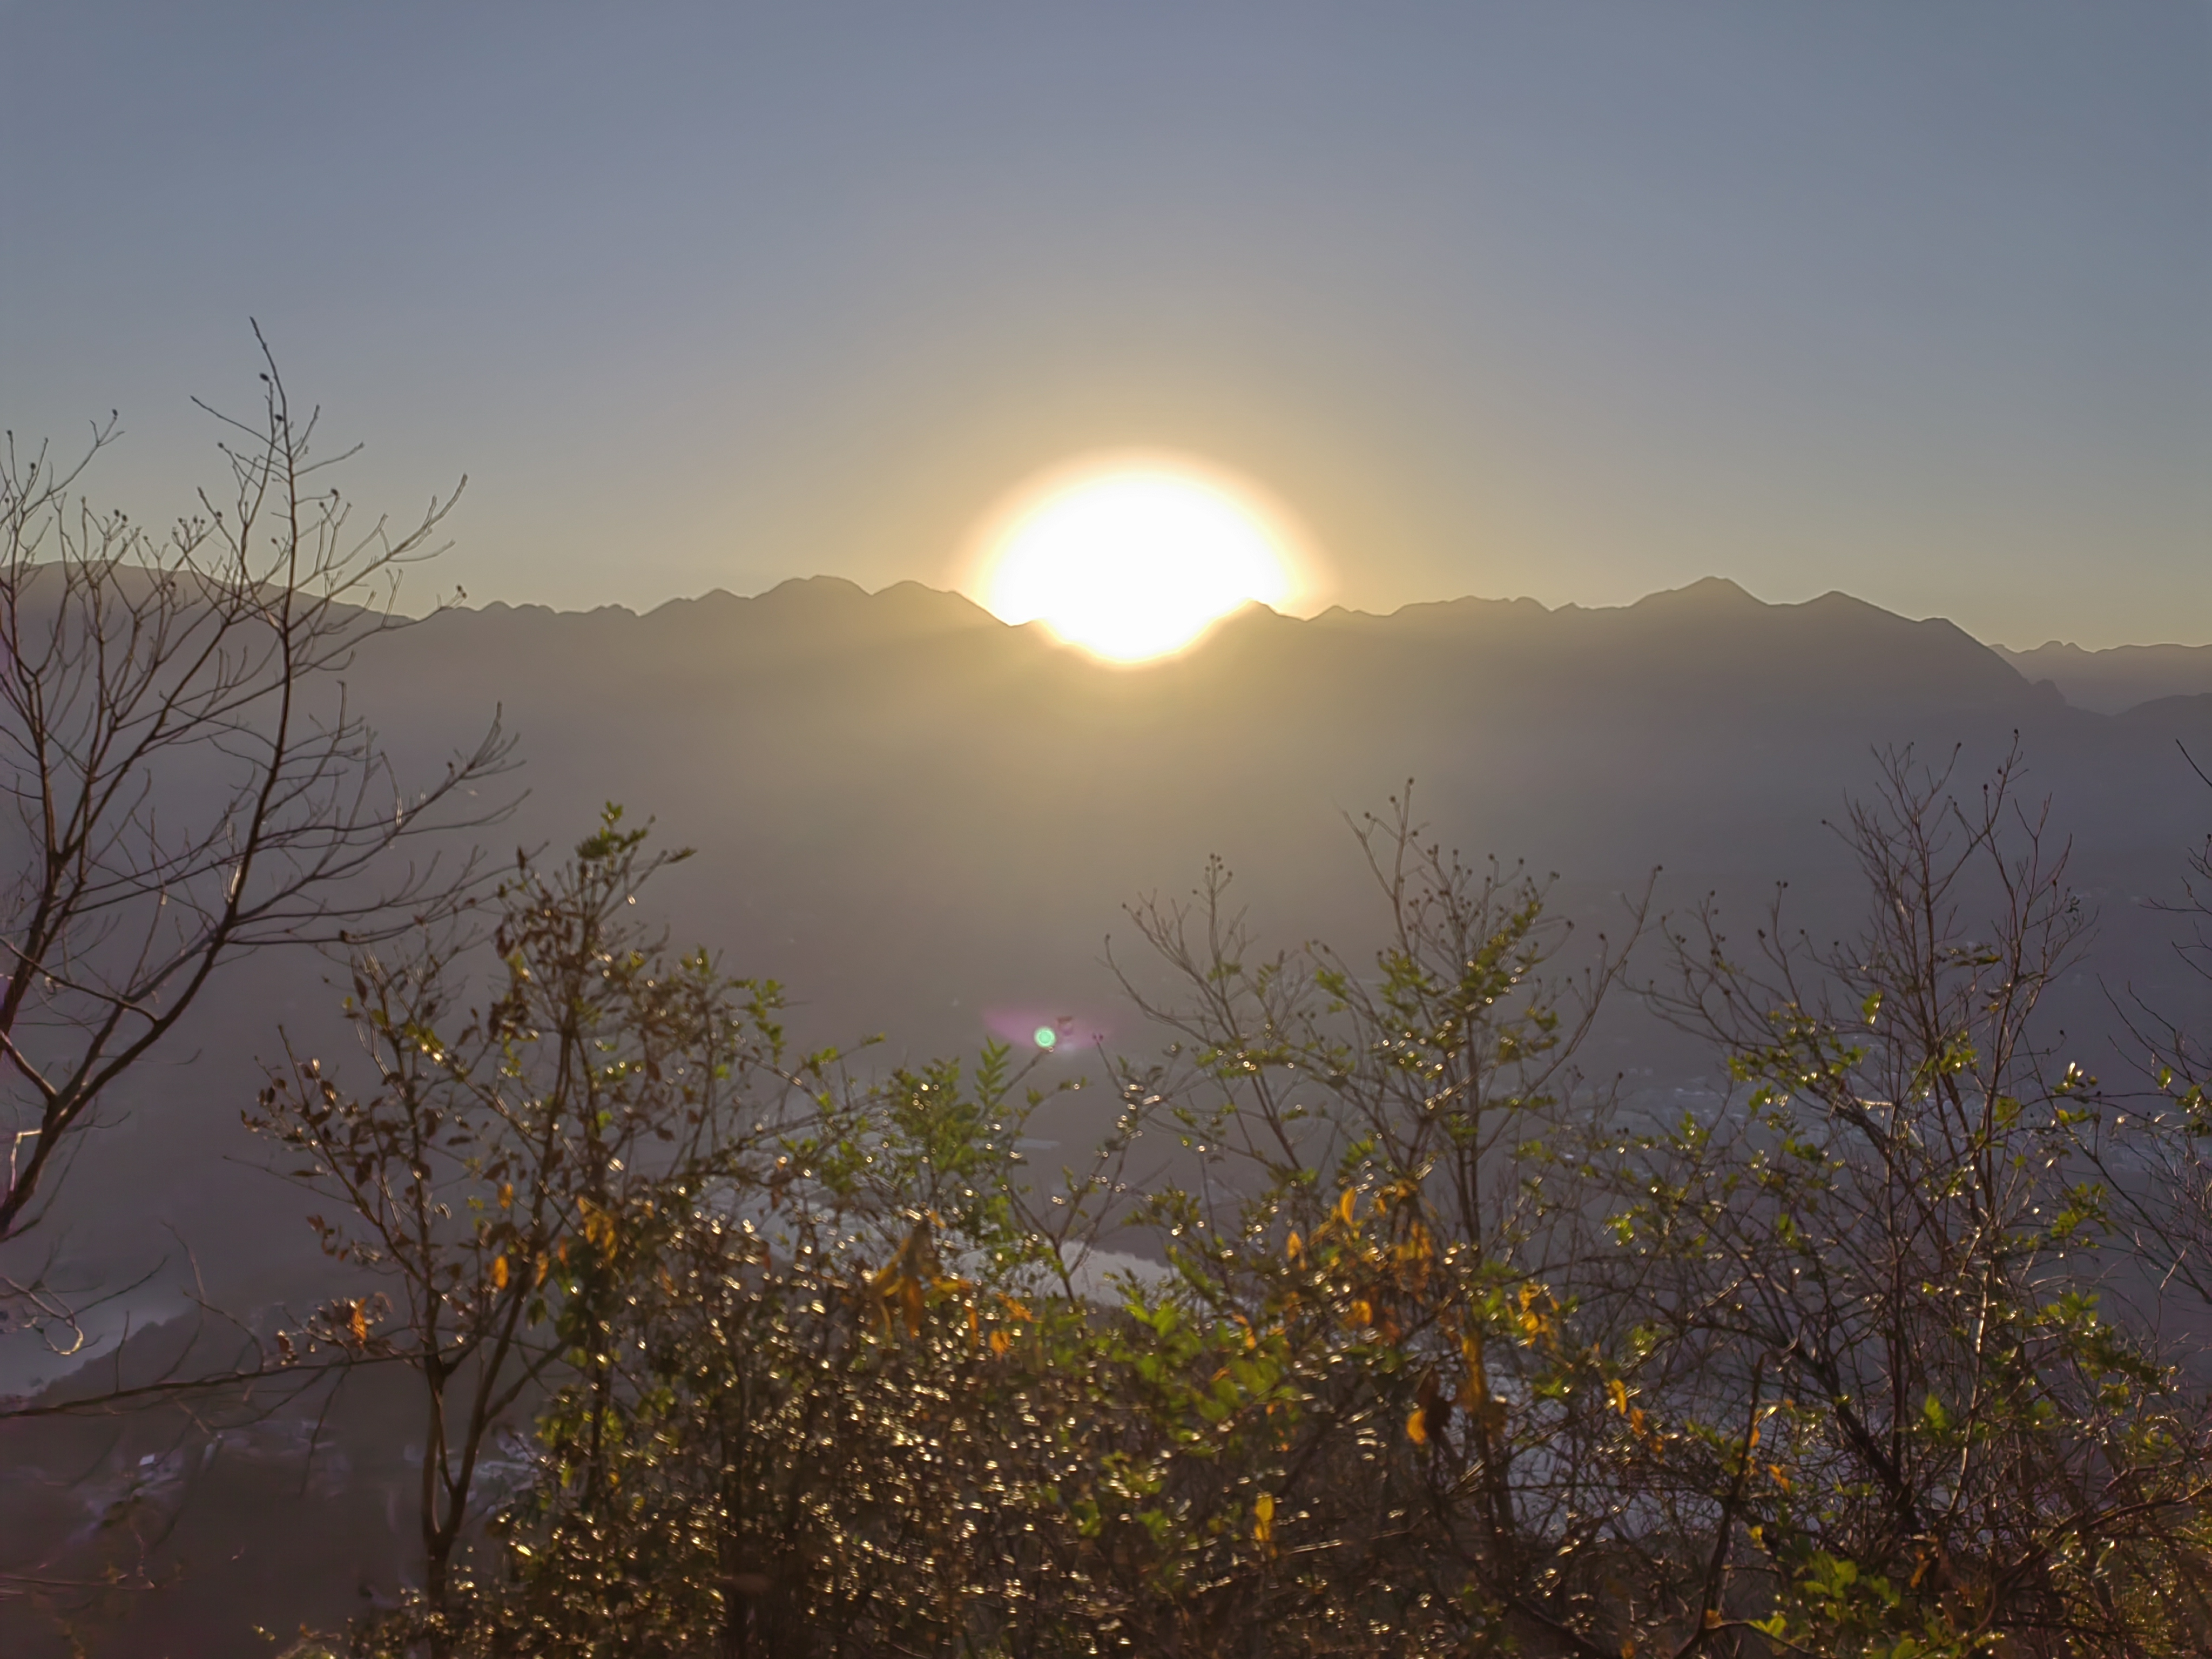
pixel 1000 1342
pixel 506 1195
pixel 1361 1313
pixel 1263 1518
pixel 1346 1205
pixel 598 1227
pixel 1474 1392
pixel 1417 1427
pixel 1618 1390
pixel 1534 1320
pixel 359 1323
pixel 499 1272
pixel 1295 1247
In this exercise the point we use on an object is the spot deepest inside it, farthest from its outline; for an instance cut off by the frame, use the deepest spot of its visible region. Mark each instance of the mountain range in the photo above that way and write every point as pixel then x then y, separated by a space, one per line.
pixel 926 822
pixel 2118 677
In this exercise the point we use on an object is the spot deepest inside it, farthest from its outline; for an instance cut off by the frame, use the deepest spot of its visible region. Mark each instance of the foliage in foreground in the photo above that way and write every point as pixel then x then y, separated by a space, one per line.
pixel 1418 1346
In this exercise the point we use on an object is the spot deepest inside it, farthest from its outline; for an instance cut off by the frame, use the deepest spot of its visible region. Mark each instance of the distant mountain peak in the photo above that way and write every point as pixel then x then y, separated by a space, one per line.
pixel 815 588
pixel 1706 593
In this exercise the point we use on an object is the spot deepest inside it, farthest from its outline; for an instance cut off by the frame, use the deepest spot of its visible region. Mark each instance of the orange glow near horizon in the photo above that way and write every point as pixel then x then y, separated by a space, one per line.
pixel 1135 558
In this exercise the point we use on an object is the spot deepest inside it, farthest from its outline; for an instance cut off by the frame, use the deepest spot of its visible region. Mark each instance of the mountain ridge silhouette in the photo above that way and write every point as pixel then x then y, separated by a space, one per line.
pixel 926 823
pixel 914 814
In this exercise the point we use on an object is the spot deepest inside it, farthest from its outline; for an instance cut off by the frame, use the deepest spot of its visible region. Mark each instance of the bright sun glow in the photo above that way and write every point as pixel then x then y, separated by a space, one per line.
pixel 1134 559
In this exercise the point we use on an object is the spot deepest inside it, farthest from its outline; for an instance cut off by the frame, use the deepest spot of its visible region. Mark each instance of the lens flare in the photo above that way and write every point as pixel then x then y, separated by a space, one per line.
pixel 1136 558
pixel 1045 1037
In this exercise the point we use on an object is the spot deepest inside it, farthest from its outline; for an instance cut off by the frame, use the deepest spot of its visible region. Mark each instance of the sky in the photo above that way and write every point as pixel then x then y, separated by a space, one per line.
pixel 1573 301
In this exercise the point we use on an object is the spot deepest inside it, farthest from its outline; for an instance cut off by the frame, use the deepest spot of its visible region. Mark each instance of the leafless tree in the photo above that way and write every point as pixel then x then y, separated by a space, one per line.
pixel 189 780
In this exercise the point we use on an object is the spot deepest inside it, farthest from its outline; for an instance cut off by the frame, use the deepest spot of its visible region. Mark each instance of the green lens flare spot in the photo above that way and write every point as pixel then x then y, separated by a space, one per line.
pixel 1046 1036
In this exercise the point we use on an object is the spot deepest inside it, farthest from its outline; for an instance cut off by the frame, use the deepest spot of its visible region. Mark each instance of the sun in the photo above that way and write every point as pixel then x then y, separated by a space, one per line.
pixel 1132 557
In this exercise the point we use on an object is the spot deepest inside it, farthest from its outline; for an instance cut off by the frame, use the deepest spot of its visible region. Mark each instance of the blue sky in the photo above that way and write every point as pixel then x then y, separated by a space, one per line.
pixel 1574 300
